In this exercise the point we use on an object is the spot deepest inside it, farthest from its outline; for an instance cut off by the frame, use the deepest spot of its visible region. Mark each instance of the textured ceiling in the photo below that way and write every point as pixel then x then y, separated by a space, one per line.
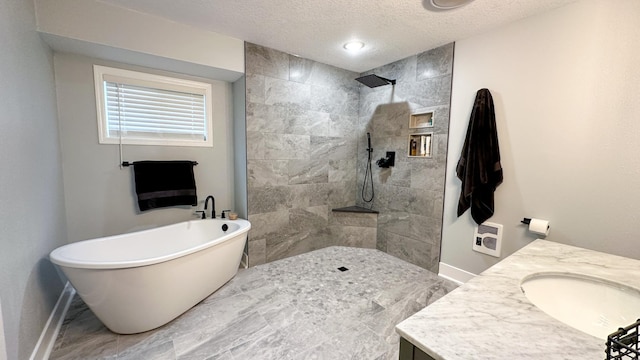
pixel 391 29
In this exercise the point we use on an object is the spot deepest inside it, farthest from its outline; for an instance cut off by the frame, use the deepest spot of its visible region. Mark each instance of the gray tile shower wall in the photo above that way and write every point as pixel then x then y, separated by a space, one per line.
pixel 305 122
pixel 302 122
pixel 409 196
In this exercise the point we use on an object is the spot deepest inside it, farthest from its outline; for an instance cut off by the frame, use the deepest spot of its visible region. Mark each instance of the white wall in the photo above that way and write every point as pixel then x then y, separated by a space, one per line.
pixel 32 221
pixel 565 86
pixel 100 197
pixel 84 23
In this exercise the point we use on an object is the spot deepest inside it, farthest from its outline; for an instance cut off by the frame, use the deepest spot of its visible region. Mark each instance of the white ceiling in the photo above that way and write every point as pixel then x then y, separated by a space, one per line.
pixel 391 29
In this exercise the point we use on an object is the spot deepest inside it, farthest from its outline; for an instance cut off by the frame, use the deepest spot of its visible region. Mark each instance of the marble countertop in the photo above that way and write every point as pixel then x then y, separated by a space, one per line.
pixel 490 318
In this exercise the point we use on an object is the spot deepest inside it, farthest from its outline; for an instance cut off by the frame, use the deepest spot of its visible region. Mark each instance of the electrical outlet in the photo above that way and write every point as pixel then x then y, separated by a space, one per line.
pixel 487 239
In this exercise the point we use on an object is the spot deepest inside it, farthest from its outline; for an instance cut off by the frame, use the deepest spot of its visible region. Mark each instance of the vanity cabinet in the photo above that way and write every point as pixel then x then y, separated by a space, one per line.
pixel 410 352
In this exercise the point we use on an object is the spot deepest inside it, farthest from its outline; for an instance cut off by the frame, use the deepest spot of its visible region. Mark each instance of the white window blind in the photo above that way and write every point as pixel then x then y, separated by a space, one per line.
pixel 139 108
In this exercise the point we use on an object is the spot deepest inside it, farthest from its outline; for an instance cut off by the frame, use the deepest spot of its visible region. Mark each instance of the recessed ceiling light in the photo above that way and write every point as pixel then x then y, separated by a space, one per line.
pixel 353 45
pixel 442 5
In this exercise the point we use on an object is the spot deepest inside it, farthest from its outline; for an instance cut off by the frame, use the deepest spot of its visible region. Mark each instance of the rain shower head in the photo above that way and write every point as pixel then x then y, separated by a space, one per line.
pixel 374 80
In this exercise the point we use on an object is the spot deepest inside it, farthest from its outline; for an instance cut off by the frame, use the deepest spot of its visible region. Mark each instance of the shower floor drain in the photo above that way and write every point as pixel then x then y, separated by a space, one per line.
pixel 342 268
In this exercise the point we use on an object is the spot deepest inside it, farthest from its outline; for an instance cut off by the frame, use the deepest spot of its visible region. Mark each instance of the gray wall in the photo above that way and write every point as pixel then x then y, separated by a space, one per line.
pixel 565 85
pixel 301 122
pixel 409 195
pixel 32 218
pixel 100 198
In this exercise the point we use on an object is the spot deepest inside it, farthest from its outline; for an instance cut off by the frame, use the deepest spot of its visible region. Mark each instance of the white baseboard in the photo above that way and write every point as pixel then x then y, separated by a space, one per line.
pixel 454 274
pixel 244 263
pixel 52 327
pixel 3 345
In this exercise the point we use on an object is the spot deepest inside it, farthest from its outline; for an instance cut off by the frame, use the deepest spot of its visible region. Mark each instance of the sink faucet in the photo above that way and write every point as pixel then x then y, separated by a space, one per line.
pixel 213 207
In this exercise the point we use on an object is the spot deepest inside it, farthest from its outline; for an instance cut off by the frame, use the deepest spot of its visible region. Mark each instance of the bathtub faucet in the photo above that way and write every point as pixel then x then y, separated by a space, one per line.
pixel 213 206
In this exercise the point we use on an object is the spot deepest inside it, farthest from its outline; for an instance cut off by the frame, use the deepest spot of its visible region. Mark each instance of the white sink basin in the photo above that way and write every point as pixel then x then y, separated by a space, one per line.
pixel 595 306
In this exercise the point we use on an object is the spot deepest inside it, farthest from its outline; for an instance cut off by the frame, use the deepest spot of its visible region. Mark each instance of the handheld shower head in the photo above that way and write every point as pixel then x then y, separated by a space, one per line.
pixel 368 174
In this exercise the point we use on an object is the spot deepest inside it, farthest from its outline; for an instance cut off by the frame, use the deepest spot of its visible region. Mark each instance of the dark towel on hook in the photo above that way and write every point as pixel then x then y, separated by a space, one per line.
pixel 479 166
pixel 164 183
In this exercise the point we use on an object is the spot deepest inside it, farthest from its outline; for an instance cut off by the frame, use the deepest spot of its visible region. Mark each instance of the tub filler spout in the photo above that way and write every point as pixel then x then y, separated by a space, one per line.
pixel 213 206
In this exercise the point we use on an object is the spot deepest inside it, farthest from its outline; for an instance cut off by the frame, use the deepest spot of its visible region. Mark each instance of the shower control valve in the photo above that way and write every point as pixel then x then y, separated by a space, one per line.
pixel 388 161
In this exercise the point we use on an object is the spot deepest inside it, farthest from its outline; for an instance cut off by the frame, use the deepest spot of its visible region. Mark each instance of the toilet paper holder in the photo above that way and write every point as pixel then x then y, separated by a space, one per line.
pixel 527 221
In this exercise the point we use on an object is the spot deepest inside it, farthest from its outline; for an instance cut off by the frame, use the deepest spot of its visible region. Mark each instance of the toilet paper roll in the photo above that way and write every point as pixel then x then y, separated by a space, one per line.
pixel 540 227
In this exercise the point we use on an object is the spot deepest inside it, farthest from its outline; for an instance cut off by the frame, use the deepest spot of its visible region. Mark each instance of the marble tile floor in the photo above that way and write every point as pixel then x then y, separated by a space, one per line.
pixel 300 307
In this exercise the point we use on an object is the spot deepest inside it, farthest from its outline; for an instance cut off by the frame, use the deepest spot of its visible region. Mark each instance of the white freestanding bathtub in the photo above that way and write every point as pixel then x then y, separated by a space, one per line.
pixel 139 281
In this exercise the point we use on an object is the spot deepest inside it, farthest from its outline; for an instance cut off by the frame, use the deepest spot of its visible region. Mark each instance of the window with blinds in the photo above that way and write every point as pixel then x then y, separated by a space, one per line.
pixel 147 109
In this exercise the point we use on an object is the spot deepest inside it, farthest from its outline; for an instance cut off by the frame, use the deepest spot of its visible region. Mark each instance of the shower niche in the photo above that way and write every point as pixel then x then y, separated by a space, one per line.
pixel 420 145
pixel 421 120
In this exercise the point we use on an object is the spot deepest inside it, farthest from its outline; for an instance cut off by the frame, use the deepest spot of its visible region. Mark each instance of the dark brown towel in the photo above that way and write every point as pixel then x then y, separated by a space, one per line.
pixel 479 165
pixel 164 183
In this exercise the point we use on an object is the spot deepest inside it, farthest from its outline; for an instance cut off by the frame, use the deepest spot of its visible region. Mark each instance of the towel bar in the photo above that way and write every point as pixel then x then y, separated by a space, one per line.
pixel 126 163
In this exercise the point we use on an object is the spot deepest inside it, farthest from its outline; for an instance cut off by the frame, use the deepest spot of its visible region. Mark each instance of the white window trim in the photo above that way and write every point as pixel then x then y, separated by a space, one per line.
pixel 102 73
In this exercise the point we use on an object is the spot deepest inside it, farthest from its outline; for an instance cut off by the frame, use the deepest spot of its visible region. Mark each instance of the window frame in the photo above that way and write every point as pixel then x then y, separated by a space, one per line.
pixel 102 74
